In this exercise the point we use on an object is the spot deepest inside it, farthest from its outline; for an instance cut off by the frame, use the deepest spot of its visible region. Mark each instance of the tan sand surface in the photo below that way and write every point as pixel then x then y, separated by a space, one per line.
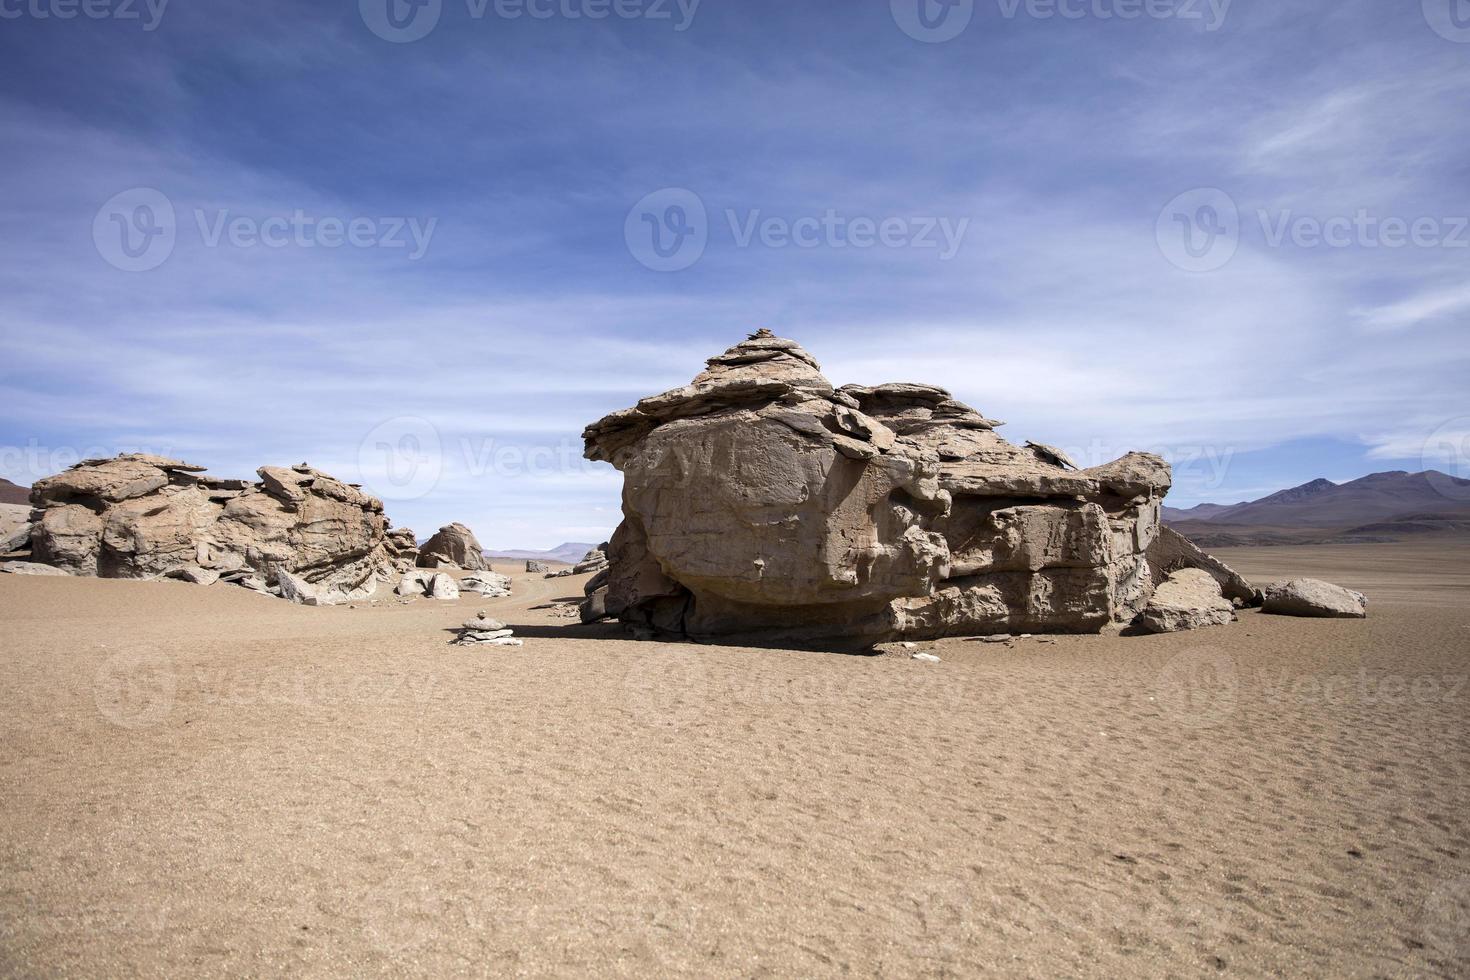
pixel 206 782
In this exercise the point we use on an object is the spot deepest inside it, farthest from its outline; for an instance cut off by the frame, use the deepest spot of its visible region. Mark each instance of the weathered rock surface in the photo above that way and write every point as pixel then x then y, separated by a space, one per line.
pixel 15 527
pixel 29 568
pixel 1312 597
pixel 758 500
pixel 142 516
pixel 402 547
pixel 453 546
pixel 1189 599
pixel 532 565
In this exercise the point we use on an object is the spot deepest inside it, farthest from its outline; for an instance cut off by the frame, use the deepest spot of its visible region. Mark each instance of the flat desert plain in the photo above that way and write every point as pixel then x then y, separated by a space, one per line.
pixel 206 782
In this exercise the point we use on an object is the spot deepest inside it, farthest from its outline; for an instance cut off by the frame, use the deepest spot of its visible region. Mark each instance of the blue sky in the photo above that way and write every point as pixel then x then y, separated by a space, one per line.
pixel 426 264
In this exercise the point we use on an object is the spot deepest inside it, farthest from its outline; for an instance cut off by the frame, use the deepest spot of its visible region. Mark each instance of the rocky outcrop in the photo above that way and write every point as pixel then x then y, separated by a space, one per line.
pixel 1189 599
pixel 1311 597
pixel 142 516
pixel 453 546
pixel 760 500
pixel 538 567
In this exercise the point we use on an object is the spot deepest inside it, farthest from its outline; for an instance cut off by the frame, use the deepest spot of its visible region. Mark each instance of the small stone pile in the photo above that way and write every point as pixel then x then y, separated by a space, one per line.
pixel 484 631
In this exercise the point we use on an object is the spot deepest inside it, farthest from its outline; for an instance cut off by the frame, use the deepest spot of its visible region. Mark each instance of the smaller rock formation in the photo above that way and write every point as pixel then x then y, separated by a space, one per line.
pixel 453 546
pixel 433 585
pixel 402 547
pixel 141 516
pixel 484 631
pixel 1189 599
pixel 537 567
pixel 491 585
pixel 1311 597
pixel 593 561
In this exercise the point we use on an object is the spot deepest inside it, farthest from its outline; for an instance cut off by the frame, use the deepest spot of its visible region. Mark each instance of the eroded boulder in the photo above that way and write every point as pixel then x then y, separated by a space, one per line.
pixel 1313 597
pixel 1189 599
pixel 143 516
pixel 758 500
pixel 453 546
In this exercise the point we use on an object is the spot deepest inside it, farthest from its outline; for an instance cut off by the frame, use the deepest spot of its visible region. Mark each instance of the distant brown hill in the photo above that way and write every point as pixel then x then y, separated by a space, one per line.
pixel 11 493
pixel 1381 506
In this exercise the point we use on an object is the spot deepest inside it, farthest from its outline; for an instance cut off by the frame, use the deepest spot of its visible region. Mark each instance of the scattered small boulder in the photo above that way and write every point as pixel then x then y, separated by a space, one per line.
pixel 1189 599
pixel 1313 597
pixel 491 585
pixel 434 585
pixel 198 576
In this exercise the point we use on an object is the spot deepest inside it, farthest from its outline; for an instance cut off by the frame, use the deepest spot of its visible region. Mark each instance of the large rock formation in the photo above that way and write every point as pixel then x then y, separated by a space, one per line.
pixel 760 501
pixel 298 530
pixel 453 546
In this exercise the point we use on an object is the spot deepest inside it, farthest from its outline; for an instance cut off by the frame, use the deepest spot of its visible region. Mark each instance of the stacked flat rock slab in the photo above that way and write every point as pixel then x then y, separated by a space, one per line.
pixel 484 631
pixel 144 516
pixel 453 546
pixel 761 501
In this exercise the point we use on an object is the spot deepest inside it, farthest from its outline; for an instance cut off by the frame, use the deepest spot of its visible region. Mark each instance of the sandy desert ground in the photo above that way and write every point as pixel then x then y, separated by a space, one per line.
pixel 208 782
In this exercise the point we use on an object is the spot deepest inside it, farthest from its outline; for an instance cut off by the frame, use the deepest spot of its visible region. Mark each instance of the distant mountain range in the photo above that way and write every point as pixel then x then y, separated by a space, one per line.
pixel 11 493
pixel 569 553
pixel 1381 506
